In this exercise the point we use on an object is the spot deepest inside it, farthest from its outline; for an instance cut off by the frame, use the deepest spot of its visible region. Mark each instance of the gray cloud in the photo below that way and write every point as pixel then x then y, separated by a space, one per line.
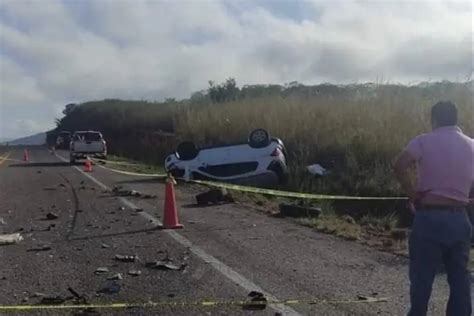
pixel 55 52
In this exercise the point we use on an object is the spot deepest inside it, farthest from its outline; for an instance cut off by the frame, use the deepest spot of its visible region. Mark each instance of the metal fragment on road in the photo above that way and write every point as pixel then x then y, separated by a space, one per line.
pixel 105 246
pixel 10 239
pixel 162 265
pixel 115 276
pixel 126 258
pixel 101 270
pixel 134 272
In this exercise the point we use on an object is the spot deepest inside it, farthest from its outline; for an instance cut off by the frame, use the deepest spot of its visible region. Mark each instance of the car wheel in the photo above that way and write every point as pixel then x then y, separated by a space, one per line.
pixel 187 151
pixel 72 160
pixel 259 138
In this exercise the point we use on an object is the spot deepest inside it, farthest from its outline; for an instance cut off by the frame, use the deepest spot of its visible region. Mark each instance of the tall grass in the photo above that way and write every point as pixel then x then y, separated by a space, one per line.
pixel 354 131
pixel 355 135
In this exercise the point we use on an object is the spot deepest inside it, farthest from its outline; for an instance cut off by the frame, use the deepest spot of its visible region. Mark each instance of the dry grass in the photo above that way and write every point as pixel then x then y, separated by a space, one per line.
pixel 355 135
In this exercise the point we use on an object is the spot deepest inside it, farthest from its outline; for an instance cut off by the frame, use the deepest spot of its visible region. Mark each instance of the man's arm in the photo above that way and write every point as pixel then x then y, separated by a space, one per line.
pixel 402 166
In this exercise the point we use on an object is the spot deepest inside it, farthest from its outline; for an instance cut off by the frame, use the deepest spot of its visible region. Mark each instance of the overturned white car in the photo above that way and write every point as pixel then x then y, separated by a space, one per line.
pixel 261 155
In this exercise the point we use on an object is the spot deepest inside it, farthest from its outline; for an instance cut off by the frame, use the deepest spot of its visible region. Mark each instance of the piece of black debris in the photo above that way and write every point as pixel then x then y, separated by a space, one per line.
pixel 39 171
pixel 51 216
pixel 214 196
pixel 86 312
pixel 126 258
pixel 40 248
pixel 50 189
pixel 163 265
pixel 258 301
pixel 62 185
pixel 111 287
pixel 138 210
pixel 134 272
pixel 296 210
pixel 52 300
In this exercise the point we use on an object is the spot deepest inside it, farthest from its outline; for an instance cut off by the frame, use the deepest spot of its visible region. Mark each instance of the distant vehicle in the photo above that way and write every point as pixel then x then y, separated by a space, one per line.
pixel 260 155
pixel 87 143
pixel 63 140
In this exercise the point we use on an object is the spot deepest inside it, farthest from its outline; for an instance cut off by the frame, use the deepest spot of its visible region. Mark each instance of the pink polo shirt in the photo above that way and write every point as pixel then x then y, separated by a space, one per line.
pixel 445 160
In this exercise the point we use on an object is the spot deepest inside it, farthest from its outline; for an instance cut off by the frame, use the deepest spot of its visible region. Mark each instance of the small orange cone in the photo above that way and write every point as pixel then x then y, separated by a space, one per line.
pixel 88 165
pixel 170 214
pixel 26 157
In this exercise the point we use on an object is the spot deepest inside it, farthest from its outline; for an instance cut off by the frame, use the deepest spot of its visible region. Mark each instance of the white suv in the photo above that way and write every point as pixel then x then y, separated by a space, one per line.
pixel 260 155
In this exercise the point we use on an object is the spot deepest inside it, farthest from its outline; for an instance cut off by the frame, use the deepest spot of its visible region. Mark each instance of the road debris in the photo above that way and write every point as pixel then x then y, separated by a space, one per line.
pixel 2 221
pixel 214 196
pixel 40 248
pixel 50 189
pixel 119 191
pixel 52 300
pixel 258 301
pixel 163 265
pixel 115 276
pixel 105 246
pixel 121 208
pixel 134 272
pixel 126 258
pixel 111 287
pixel 138 210
pixel 101 270
pixel 10 239
pixel 317 170
pixel 51 216
pixel 299 210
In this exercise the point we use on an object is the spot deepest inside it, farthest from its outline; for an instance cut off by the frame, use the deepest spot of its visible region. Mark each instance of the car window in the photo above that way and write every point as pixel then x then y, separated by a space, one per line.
pixel 87 137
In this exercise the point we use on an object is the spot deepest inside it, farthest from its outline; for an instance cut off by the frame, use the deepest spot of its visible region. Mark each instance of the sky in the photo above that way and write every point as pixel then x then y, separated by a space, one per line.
pixel 55 52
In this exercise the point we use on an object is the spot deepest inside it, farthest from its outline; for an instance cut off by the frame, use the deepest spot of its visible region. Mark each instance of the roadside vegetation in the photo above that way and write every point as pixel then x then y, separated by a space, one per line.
pixel 355 131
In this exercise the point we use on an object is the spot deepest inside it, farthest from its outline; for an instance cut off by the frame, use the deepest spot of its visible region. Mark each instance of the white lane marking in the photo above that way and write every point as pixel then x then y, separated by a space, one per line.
pixel 224 269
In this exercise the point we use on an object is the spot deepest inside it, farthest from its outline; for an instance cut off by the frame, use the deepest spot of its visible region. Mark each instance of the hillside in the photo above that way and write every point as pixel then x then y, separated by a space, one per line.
pixel 36 139
pixel 355 131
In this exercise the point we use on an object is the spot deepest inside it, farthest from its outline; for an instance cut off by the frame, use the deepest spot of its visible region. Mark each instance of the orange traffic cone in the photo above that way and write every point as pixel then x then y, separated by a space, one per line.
pixel 170 214
pixel 26 157
pixel 88 165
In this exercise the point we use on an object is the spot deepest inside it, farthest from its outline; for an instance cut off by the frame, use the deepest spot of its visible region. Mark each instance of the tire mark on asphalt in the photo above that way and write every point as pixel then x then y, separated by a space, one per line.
pixel 218 265
pixel 75 197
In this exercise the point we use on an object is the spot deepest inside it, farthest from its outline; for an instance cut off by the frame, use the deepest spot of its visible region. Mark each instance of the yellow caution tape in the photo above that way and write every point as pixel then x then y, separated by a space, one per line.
pixel 262 303
pixel 290 194
pixel 155 175
pixel 287 194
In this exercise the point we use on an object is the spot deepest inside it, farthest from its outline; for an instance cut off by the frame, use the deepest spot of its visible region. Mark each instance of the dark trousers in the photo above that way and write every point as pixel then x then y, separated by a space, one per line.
pixel 440 236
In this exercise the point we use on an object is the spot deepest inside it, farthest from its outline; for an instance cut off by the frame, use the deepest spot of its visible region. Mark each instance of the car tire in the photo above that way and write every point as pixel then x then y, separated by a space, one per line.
pixel 259 138
pixel 72 160
pixel 187 151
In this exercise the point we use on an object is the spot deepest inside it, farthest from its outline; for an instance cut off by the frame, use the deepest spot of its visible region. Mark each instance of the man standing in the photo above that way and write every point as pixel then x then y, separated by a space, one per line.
pixel 441 229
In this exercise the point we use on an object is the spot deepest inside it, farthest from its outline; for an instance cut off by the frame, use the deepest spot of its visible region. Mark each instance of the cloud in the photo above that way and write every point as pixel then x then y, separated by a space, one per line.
pixel 55 52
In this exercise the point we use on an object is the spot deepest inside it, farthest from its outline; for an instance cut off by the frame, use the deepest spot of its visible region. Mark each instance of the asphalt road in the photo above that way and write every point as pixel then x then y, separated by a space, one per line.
pixel 224 251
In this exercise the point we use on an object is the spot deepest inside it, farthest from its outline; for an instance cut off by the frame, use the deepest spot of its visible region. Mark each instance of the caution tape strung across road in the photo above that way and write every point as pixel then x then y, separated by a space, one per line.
pixel 261 303
pixel 279 193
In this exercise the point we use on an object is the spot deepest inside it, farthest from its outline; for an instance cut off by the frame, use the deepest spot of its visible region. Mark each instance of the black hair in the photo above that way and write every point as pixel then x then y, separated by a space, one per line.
pixel 444 113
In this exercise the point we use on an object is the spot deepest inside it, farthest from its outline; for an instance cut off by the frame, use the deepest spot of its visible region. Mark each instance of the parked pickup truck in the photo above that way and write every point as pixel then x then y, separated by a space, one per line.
pixel 87 143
